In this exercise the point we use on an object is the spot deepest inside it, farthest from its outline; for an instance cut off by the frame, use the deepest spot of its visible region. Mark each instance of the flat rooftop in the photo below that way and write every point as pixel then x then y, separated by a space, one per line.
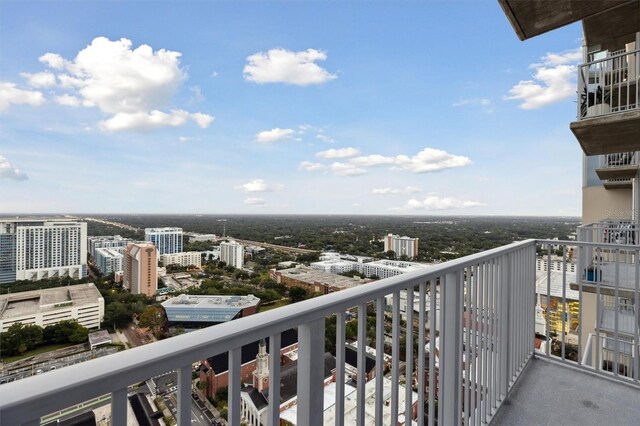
pixel 35 301
pixel 212 302
pixel 315 276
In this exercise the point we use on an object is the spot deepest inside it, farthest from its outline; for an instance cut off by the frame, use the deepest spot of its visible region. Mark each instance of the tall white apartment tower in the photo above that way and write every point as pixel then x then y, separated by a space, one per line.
pixel 401 245
pixel 167 240
pixel 39 248
pixel 232 253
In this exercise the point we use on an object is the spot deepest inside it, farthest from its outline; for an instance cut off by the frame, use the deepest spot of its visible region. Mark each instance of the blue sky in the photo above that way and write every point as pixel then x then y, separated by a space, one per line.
pixel 431 107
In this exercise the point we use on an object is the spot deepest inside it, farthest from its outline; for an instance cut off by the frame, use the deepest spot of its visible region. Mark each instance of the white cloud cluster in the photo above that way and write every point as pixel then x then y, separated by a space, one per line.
pixel 347 169
pixel 11 95
pixel 8 171
pixel 395 191
pixel 275 135
pixel 434 202
pixel 285 66
pixel 427 160
pixel 259 185
pixel 131 85
pixel 40 79
pixel 553 81
pixel 338 153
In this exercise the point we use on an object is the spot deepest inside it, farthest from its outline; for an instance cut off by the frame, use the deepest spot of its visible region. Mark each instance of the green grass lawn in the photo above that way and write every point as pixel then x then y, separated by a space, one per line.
pixel 278 304
pixel 37 351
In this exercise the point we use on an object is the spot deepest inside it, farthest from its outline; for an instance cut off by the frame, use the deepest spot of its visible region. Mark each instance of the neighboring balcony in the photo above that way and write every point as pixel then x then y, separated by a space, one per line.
pixel 618 166
pixel 487 364
pixel 608 116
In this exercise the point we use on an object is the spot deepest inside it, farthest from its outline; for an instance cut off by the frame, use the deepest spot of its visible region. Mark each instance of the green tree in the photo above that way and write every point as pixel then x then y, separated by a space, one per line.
pixel 153 318
pixel 298 294
pixel 20 338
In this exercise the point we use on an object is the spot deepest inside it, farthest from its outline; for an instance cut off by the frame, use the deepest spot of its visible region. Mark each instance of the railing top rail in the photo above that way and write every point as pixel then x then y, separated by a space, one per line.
pixel 103 375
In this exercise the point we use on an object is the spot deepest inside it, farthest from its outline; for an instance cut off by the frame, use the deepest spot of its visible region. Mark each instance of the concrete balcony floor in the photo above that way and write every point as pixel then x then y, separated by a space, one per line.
pixel 550 394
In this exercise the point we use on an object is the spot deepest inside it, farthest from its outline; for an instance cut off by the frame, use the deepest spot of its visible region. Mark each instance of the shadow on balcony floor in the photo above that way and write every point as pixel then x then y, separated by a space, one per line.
pixel 549 394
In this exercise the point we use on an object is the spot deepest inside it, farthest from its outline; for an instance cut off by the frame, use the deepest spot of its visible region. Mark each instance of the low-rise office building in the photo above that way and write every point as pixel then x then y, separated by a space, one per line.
pixel 81 302
pixel 315 281
pixel 186 258
pixel 186 309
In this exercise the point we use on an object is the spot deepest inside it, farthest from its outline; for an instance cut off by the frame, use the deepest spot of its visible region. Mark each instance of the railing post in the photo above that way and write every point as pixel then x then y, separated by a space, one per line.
pixel 119 407
pixel 310 373
pixel 505 371
pixel 235 379
pixel 450 363
pixel 184 395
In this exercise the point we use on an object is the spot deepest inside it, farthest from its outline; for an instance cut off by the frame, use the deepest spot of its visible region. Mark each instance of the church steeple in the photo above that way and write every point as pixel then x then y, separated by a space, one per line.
pixel 261 373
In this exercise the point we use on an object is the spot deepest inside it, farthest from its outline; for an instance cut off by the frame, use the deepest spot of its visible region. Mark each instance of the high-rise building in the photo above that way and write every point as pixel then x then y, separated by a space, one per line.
pixel 232 253
pixel 39 248
pixel 141 268
pixel 167 240
pixel 109 260
pixel 401 245
pixel 106 241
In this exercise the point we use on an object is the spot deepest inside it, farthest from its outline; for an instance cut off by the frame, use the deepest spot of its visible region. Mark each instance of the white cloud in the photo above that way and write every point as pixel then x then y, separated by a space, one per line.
pixel 7 171
pixel 259 185
pixel 203 120
pixel 427 160
pixel 131 85
pixel 285 66
pixel 405 190
pixel 325 138
pixel 434 202
pixel 338 153
pixel 187 138
pixel 142 121
pixel 40 79
pixel 68 100
pixel 274 135
pixel 197 95
pixel 255 201
pixel 11 95
pixel 53 60
pixel 346 169
pixel 311 167
pixel 553 81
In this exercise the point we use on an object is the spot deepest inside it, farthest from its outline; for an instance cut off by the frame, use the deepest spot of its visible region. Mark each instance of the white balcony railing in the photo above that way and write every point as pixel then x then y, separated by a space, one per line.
pixel 610 232
pixel 619 159
pixel 609 85
pixel 485 337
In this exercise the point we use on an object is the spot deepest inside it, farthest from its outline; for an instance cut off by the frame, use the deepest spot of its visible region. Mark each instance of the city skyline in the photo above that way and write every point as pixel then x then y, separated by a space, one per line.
pixel 285 108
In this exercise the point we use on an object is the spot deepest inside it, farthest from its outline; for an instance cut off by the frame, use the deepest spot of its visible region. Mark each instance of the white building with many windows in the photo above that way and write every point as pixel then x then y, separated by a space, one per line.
pixel 167 240
pixel 401 245
pixel 232 253
pixel 38 248
pixel 81 302
pixel 186 258
pixel 109 260
pixel 106 241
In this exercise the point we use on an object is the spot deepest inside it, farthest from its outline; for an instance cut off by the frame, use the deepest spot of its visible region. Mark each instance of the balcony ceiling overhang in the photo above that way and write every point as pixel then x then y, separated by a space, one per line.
pixel 617 172
pixel 530 18
pixel 611 24
pixel 609 134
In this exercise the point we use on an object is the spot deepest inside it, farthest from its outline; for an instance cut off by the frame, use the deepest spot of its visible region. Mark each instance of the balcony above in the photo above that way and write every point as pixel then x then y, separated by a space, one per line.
pixel 621 165
pixel 608 92
pixel 530 18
